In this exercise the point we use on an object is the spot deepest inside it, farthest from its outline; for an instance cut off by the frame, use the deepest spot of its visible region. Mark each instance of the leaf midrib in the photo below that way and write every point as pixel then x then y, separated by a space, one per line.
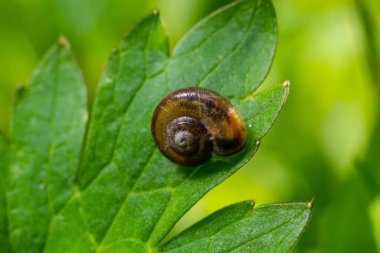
pixel 140 86
pixel 46 160
pixel 51 127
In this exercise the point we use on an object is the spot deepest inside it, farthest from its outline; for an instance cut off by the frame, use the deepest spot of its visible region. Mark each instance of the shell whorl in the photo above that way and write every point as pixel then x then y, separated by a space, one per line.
pixel 192 123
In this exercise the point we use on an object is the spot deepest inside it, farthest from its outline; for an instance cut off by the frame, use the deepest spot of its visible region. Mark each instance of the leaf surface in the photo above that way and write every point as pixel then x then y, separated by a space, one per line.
pixel 129 196
pixel 4 232
pixel 48 127
pixel 119 193
pixel 230 51
pixel 240 228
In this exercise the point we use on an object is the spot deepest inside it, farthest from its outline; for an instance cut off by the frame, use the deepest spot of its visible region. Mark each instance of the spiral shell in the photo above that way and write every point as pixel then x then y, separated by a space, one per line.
pixel 192 123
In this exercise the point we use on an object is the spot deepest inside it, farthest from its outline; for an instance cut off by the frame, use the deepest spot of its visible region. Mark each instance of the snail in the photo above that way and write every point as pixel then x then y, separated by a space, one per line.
pixel 191 124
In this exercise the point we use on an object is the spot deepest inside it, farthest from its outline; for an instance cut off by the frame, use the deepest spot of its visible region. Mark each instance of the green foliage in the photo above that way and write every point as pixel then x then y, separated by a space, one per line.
pixel 48 128
pixel 4 235
pixel 118 193
pixel 239 228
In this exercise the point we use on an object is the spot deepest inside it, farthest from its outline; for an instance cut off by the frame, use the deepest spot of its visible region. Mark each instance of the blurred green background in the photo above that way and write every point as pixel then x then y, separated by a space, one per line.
pixel 326 142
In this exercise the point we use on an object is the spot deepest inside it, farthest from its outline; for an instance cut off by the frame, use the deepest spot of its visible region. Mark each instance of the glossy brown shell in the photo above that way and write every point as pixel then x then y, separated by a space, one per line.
pixel 192 123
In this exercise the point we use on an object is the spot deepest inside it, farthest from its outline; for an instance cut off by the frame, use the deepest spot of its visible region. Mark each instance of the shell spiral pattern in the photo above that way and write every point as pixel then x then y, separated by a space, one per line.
pixel 191 124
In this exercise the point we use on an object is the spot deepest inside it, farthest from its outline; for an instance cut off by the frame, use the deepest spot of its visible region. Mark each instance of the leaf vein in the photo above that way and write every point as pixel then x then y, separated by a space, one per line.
pixel 267 232
pixel 127 198
pixel 233 51
pixel 119 131
pixel 204 40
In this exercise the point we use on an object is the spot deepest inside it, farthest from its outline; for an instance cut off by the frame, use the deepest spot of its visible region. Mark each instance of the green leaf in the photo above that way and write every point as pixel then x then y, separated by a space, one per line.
pixel 123 178
pixel 119 193
pixel 230 51
pixel 48 128
pixel 4 233
pixel 118 149
pixel 240 228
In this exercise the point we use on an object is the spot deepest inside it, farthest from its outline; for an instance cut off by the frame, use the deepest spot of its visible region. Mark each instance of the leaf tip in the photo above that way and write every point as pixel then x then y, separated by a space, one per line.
pixel 155 12
pixel 20 90
pixel 20 87
pixel 286 83
pixel 63 42
pixel 310 204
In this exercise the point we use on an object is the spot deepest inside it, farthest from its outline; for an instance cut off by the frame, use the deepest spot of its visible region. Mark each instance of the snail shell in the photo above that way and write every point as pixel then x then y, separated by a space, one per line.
pixel 192 123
